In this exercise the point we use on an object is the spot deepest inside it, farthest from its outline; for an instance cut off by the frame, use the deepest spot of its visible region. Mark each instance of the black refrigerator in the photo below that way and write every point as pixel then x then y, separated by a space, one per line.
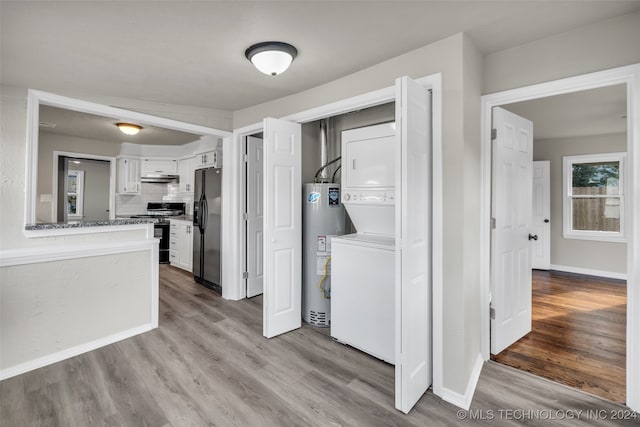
pixel 207 208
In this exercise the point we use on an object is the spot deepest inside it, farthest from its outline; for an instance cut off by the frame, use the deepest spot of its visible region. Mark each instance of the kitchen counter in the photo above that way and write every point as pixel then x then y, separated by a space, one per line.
pixel 84 224
pixel 182 218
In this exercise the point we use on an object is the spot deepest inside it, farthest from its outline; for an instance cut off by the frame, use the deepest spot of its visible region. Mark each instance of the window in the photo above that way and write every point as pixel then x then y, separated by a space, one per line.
pixel 593 204
pixel 75 194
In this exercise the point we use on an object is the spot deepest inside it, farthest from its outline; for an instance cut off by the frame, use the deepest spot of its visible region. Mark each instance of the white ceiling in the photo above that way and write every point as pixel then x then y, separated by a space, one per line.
pixel 590 112
pixel 84 125
pixel 192 53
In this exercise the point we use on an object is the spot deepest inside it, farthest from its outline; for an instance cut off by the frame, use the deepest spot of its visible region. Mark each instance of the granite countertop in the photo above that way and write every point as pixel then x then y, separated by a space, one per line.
pixel 83 224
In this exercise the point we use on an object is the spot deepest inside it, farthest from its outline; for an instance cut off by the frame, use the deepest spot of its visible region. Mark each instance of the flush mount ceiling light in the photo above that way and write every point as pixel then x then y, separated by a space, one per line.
pixel 271 58
pixel 129 128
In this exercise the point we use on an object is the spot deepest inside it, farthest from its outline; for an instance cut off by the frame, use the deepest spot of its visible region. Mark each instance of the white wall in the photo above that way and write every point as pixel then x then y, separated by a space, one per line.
pixel 50 307
pixel 587 254
pixel 113 275
pixel 600 46
pixel 461 179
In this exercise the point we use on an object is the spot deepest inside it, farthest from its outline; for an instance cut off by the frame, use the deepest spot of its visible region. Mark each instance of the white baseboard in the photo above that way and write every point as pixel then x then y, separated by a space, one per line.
pixel 464 401
pixel 71 352
pixel 589 272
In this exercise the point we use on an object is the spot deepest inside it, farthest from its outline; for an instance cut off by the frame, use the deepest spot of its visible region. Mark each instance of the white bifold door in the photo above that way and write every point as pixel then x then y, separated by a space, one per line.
pixel 512 236
pixel 283 236
pixel 282 201
pixel 413 243
pixel 255 216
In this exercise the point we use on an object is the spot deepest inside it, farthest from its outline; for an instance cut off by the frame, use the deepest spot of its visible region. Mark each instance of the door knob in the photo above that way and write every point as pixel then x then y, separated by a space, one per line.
pixel 533 237
pixel 546 220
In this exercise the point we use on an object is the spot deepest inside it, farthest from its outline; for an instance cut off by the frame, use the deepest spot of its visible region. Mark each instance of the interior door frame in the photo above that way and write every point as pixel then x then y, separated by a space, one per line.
pixel 112 179
pixel 629 75
pixel 233 280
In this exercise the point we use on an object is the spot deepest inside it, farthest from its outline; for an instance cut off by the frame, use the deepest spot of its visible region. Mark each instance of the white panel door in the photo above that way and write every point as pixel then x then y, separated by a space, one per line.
pixel 255 216
pixel 282 201
pixel 541 215
pixel 512 165
pixel 413 243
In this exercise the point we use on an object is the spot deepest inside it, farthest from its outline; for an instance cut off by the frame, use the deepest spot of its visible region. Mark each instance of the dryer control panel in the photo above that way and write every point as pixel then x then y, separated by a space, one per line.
pixel 369 197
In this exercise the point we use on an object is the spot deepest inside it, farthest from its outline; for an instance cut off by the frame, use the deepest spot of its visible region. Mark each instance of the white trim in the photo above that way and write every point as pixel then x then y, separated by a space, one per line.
pixel 589 272
pixel 36 97
pixel 72 351
pixel 155 280
pixel 567 197
pixel 629 75
pixel 437 237
pixel 61 252
pixel 464 400
pixel 227 243
pixel 233 233
pixel 112 179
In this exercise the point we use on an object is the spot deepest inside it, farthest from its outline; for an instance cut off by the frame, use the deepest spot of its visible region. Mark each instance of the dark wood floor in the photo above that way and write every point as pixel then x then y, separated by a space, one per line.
pixel 208 364
pixel 578 333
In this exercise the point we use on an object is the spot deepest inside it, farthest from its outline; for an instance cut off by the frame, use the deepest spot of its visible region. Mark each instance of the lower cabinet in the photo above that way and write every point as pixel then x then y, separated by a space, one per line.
pixel 181 244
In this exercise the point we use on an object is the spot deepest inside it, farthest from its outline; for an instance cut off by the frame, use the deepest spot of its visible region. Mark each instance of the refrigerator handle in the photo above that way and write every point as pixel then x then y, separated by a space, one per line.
pixel 204 213
pixel 196 213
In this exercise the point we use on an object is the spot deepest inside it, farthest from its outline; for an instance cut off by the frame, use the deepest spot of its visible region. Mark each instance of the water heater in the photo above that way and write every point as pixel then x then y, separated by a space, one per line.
pixel 322 219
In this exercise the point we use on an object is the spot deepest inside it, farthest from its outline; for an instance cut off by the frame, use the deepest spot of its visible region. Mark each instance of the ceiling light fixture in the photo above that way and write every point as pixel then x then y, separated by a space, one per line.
pixel 129 128
pixel 271 58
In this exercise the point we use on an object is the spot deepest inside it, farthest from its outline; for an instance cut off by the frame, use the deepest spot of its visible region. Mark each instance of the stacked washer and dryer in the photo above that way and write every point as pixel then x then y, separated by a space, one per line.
pixel 363 264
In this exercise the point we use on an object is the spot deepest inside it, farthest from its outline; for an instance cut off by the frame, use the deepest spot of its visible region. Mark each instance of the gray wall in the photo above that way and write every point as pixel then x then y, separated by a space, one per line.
pixel 599 46
pixel 593 255
pixel 96 188
pixel 50 142
pixel 461 66
pixel 311 136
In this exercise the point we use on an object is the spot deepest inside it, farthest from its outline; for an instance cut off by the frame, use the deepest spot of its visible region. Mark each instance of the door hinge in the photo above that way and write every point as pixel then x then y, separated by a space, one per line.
pixel 492 313
pixel 245 158
pixel 245 216
pixel 494 134
pixel 493 223
pixel 245 274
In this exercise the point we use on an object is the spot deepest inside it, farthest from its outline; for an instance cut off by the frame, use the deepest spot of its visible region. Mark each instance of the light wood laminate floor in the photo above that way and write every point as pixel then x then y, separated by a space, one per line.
pixel 578 333
pixel 208 364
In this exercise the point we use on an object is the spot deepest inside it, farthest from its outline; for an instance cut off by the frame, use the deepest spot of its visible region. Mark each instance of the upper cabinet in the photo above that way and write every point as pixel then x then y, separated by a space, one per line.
pixel 128 175
pixel 185 170
pixel 209 159
pixel 159 166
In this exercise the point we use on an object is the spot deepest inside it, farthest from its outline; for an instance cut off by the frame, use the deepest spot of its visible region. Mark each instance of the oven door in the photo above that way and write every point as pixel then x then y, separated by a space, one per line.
pixel 161 231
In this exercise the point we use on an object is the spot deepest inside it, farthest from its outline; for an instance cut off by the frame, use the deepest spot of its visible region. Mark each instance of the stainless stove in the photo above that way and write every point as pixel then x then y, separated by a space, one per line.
pixel 163 212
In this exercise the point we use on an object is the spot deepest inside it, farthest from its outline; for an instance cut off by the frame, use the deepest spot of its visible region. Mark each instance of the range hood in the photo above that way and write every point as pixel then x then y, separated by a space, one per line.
pixel 160 178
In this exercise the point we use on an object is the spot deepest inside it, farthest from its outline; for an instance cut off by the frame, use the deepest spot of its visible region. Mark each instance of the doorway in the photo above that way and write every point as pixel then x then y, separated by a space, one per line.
pixel 626 76
pixel 570 316
pixel 83 189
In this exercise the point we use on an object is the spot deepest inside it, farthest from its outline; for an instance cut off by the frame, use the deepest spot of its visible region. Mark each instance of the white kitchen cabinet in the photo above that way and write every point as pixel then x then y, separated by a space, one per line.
pixel 208 159
pixel 181 244
pixel 159 166
pixel 186 168
pixel 128 175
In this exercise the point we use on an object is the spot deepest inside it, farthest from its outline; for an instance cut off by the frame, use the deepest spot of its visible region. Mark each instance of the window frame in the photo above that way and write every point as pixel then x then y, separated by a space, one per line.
pixel 567 206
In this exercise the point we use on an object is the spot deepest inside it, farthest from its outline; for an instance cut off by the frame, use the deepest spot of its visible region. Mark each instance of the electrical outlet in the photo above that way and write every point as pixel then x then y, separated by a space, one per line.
pixel 45 198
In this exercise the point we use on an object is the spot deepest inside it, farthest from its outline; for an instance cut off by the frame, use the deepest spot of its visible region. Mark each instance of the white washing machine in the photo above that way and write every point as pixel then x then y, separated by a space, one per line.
pixel 362 293
pixel 363 264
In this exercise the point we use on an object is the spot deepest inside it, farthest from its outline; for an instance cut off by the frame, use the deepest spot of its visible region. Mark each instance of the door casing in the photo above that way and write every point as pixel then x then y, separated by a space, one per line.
pixel 629 75
pixel 234 284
